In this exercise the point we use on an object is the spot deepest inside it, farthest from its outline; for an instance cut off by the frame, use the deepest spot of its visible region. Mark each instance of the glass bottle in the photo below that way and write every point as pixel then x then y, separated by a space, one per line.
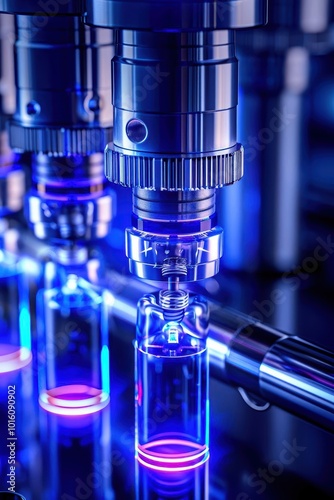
pixel 15 330
pixel 172 404
pixel 73 323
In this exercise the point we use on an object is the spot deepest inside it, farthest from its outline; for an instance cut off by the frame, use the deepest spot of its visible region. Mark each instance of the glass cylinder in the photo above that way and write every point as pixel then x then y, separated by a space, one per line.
pixel 77 456
pixel 73 347
pixel 172 405
pixel 15 331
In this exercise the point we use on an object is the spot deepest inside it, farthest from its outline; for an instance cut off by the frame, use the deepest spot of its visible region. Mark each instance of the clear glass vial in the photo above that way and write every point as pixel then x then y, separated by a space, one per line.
pixel 15 330
pixel 73 346
pixel 172 404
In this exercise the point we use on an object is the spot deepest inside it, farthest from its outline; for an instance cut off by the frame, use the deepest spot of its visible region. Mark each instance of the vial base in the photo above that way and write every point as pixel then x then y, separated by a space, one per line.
pixel 13 358
pixel 76 400
pixel 172 452
pixel 172 408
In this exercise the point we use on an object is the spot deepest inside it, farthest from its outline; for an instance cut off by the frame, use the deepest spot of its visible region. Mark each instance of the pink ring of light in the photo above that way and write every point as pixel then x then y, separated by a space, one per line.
pixel 179 462
pixel 50 401
pixel 15 360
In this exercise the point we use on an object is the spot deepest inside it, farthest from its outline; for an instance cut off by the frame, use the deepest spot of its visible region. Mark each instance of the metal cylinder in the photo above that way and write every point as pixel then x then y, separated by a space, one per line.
pixel 42 8
pixel 174 206
pixel 68 112
pixel 183 15
pixel 284 370
pixel 175 99
pixel 170 87
pixel 69 200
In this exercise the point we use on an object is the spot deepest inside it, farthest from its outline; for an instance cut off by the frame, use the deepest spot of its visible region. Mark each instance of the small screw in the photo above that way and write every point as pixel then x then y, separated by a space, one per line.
pixel 33 108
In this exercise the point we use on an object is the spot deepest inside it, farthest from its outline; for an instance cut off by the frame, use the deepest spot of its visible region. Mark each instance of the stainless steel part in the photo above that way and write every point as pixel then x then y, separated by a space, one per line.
pixel 175 95
pixel 175 99
pixel 148 252
pixel 181 15
pixel 42 8
pixel 69 199
pixel 64 108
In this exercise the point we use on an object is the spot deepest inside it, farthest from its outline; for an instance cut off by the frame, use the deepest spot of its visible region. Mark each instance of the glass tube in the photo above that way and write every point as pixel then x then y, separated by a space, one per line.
pixel 77 456
pixel 172 405
pixel 15 331
pixel 73 347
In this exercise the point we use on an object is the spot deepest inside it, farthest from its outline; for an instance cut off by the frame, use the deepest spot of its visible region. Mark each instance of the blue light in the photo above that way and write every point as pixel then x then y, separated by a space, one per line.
pixel 105 369
pixel 25 330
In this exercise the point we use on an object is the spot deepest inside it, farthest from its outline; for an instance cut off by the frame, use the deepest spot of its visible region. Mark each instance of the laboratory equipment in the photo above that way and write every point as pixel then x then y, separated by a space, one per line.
pixel 174 144
pixel 172 405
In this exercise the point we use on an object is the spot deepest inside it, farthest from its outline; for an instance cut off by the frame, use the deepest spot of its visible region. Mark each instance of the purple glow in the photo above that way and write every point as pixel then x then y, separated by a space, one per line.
pixel 73 400
pixel 13 358
pixel 172 454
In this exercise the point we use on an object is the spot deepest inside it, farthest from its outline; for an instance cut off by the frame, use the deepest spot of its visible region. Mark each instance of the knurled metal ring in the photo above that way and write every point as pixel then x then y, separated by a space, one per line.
pixel 58 141
pixel 173 174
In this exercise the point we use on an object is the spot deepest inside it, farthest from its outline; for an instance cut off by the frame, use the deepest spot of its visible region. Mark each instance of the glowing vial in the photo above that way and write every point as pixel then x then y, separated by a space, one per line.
pixel 73 348
pixel 15 332
pixel 172 405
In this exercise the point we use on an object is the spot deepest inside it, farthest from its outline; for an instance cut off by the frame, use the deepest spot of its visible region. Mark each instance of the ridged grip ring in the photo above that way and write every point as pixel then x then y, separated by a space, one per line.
pixel 174 174
pixel 59 141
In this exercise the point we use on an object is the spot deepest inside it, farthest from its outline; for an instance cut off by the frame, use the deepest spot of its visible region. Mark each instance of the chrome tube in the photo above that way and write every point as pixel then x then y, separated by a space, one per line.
pixel 280 369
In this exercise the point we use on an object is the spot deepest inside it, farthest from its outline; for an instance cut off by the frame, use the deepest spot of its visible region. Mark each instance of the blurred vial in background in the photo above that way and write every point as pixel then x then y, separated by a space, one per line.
pixel 15 337
pixel 19 446
pixel 73 340
pixel 172 406
pixel 77 457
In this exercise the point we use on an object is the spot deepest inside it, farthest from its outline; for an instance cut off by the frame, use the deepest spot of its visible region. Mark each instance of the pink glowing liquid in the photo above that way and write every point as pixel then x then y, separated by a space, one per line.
pixel 172 454
pixel 13 357
pixel 76 399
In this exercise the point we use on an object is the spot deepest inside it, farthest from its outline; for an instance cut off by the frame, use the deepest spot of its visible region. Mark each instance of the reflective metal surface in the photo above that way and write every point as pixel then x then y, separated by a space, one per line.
pixel 154 121
pixel 148 252
pixel 40 8
pixel 69 113
pixel 183 15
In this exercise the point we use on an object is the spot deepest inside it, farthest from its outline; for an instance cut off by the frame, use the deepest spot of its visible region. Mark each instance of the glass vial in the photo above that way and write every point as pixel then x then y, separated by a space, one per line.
pixel 15 330
pixel 77 457
pixel 73 347
pixel 172 405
